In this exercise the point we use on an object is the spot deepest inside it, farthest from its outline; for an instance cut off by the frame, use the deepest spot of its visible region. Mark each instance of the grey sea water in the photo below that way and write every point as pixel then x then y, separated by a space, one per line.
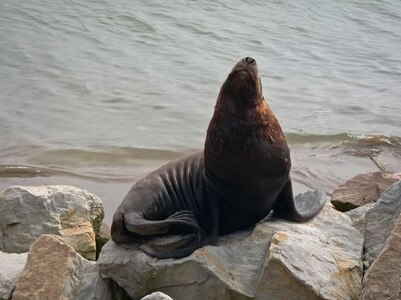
pixel 94 91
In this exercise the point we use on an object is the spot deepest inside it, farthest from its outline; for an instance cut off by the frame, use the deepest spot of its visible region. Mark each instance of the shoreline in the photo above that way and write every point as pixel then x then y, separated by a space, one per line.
pixel 322 166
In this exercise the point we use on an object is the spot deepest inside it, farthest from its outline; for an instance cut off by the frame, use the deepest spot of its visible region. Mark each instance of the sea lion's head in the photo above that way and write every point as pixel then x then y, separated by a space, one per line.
pixel 243 85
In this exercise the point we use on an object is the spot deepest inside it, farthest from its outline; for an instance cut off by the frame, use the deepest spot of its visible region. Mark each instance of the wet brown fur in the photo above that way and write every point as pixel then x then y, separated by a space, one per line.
pixel 245 131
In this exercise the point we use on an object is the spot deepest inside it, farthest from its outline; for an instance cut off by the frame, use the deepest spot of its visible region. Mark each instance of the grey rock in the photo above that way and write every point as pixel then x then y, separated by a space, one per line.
pixel 380 221
pixel 383 279
pixel 157 296
pixel 11 265
pixel 359 212
pixel 362 189
pixel 54 270
pixel 27 212
pixel 102 237
pixel 319 259
pixel 357 216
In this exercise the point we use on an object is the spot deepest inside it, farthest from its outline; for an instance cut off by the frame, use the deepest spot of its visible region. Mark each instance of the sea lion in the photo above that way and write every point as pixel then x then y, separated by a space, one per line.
pixel 242 174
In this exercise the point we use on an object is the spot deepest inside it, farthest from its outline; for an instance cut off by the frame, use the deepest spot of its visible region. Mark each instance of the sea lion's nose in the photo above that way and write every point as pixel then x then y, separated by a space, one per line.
pixel 249 60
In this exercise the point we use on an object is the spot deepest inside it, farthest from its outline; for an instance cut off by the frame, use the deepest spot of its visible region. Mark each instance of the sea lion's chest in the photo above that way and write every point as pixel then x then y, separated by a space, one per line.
pixel 238 154
pixel 248 159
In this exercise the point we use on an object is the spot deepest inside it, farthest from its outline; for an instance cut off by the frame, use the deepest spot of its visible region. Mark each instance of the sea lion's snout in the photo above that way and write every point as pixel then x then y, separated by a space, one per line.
pixel 249 60
pixel 248 65
pixel 243 84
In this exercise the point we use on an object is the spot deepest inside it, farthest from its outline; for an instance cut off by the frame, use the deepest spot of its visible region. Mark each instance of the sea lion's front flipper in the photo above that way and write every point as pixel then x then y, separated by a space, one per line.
pixel 301 208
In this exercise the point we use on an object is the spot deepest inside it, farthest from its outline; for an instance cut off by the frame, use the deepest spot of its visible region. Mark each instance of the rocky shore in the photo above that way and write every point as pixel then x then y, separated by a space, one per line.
pixel 53 245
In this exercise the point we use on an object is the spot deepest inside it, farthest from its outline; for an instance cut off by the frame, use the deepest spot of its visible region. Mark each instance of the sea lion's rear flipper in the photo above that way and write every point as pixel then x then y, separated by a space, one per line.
pixel 186 246
pixel 302 207
pixel 177 249
pixel 136 223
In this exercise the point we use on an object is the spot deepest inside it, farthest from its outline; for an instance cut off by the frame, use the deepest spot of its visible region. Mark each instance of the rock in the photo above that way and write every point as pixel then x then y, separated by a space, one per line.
pixel 362 189
pixel 319 259
pixel 102 237
pixel 383 279
pixel 157 296
pixel 380 221
pixel 55 271
pixel 11 265
pixel 27 212
pixel 357 216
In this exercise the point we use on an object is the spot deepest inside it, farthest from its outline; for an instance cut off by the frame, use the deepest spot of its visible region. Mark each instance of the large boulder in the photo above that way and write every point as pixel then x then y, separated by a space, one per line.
pixel 380 221
pixel 11 265
pixel 70 212
pixel 55 271
pixel 383 278
pixel 362 189
pixel 319 259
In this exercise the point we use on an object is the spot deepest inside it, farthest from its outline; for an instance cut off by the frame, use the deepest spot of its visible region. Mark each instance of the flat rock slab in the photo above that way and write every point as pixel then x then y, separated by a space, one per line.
pixel 380 221
pixel 11 265
pixel 362 189
pixel 26 212
pixel 55 271
pixel 319 259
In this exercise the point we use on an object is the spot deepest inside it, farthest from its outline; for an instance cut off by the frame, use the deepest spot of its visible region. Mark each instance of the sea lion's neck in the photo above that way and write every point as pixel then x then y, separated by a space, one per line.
pixel 259 120
pixel 245 143
pixel 270 124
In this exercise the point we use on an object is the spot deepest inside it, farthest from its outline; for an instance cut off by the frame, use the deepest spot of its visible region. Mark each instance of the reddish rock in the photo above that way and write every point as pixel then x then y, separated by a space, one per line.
pixel 55 271
pixel 362 189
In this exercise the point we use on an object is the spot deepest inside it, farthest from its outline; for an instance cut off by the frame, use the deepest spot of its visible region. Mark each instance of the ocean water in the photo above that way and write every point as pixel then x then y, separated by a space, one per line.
pixel 97 93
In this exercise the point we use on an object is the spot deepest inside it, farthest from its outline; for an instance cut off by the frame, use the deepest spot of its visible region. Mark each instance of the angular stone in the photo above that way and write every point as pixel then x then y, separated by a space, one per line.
pixel 102 237
pixel 357 216
pixel 319 259
pixel 27 212
pixel 362 189
pixel 11 265
pixel 380 221
pixel 383 279
pixel 55 271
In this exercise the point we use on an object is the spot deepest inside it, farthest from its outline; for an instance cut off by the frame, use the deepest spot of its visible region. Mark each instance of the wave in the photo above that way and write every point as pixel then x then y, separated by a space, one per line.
pixel 120 163
pixel 109 154
pixel 350 144
pixel 101 163
pixel 384 151
pixel 296 138
pixel 345 138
